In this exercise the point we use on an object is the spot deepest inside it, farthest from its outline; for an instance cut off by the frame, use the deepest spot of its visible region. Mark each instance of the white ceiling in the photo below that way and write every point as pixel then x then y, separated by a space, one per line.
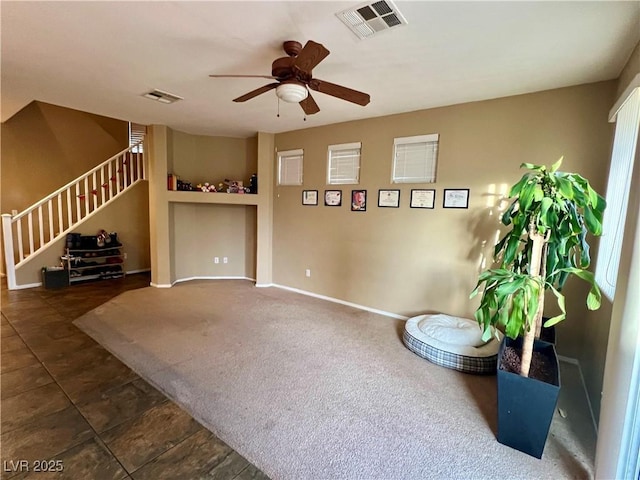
pixel 100 57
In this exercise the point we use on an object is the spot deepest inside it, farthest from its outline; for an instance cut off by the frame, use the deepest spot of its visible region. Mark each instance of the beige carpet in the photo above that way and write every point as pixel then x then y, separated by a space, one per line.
pixel 308 389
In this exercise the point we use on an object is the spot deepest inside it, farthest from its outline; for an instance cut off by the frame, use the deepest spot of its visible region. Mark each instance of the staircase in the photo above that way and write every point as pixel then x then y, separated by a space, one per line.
pixel 36 228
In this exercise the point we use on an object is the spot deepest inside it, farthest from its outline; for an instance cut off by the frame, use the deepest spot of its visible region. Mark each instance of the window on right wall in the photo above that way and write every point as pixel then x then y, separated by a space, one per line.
pixel 415 158
pixel 625 143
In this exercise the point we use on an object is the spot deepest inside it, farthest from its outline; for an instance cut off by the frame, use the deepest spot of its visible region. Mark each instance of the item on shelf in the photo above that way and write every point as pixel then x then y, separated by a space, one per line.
pixel 172 181
pixel 73 240
pixel 184 186
pixel 234 186
pixel 253 183
pixel 94 257
pixel 207 187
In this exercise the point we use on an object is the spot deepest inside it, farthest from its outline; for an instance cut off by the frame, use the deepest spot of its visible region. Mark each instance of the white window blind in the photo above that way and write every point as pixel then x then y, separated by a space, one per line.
pixel 618 186
pixel 414 159
pixel 136 135
pixel 290 167
pixel 344 164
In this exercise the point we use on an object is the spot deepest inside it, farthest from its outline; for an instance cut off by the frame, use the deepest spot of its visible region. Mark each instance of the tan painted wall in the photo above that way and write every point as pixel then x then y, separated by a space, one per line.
pixel 204 231
pixel 200 158
pixel 592 349
pixel 45 146
pixel 409 261
pixel 196 233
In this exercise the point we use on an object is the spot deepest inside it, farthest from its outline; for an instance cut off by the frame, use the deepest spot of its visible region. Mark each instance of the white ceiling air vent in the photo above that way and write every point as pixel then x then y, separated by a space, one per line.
pixel 369 19
pixel 162 97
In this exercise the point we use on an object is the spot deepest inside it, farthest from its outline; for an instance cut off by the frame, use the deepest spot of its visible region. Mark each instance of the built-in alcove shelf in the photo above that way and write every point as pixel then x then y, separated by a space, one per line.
pixel 212 197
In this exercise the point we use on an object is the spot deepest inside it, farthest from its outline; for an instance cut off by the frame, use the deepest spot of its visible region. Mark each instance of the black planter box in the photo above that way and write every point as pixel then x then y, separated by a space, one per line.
pixel 526 405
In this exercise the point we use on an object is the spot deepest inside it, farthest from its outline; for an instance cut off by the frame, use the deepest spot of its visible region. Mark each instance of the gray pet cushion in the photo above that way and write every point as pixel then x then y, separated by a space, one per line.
pixel 451 342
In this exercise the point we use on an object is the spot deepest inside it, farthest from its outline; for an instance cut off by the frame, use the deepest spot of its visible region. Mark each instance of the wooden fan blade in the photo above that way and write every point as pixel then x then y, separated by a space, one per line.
pixel 339 91
pixel 242 76
pixel 310 56
pixel 256 92
pixel 309 105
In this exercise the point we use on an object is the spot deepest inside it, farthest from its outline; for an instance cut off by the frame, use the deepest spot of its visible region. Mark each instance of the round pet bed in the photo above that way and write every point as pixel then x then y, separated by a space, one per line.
pixel 451 342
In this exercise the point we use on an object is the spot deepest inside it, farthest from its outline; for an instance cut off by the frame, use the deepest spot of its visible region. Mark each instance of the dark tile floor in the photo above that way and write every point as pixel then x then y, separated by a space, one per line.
pixel 66 403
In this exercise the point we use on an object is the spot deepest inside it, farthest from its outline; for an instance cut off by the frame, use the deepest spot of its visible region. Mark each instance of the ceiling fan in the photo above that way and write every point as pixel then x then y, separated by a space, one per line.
pixel 294 78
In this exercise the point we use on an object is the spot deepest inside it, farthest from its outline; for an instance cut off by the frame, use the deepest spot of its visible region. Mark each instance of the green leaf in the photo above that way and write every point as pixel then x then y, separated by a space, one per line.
pixel 538 194
pixel 593 224
pixel 594 300
pixel 506 216
pixel 566 188
pixel 515 190
pixel 553 320
pixel 526 196
pixel 556 165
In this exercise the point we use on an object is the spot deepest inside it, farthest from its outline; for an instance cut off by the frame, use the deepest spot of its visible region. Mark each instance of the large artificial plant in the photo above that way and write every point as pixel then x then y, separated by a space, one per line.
pixel 549 218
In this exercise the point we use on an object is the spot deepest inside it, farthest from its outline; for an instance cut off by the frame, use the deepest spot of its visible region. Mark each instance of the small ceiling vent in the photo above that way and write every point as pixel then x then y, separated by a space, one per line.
pixel 369 19
pixel 162 97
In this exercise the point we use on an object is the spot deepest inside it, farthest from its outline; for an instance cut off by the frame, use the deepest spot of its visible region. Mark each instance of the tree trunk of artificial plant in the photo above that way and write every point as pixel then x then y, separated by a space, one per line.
pixel 533 330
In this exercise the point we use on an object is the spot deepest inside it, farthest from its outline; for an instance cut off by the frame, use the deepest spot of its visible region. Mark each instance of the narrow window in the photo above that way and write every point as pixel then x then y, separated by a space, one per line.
pixel 136 135
pixel 290 167
pixel 344 164
pixel 414 159
pixel 625 142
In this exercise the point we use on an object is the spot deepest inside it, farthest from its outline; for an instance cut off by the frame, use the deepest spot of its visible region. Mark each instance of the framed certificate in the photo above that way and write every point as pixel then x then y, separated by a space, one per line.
pixel 310 197
pixel 333 198
pixel 422 198
pixel 389 198
pixel 456 198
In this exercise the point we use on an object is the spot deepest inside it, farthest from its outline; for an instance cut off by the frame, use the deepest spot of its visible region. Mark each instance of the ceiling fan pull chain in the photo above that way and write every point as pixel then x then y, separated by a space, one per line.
pixel 278 100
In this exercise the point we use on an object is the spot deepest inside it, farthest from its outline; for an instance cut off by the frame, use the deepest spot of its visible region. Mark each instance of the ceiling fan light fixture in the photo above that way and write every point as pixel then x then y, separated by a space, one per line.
pixel 291 92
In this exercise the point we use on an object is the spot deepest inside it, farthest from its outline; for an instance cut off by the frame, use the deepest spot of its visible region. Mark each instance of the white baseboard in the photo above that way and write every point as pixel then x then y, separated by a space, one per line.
pixel 265 285
pixel 28 285
pixel 342 302
pixel 142 270
pixel 230 277
pixel 160 285
pixel 574 361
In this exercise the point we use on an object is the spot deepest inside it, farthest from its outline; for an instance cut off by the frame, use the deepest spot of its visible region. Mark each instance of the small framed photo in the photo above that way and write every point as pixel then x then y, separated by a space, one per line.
pixel 358 200
pixel 389 198
pixel 456 198
pixel 422 198
pixel 332 198
pixel 310 197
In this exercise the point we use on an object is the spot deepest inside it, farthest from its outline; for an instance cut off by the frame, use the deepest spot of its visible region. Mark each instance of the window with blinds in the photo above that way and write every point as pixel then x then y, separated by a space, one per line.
pixel 414 159
pixel 290 167
pixel 625 143
pixel 344 164
pixel 136 135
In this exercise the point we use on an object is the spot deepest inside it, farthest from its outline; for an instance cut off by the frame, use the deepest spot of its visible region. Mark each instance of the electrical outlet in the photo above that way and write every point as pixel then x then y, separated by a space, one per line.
pixel 225 260
pixel 14 212
pixel 216 259
pixel 307 273
pixel 125 255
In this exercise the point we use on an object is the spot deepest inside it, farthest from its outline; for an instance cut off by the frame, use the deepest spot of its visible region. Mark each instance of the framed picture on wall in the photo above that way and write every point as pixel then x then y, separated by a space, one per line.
pixel 456 198
pixel 310 197
pixel 389 198
pixel 358 200
pixel 422 198
pixel 332 198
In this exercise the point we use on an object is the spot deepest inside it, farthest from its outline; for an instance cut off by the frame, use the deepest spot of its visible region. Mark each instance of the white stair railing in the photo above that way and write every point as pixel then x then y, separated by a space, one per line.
pixel 35 228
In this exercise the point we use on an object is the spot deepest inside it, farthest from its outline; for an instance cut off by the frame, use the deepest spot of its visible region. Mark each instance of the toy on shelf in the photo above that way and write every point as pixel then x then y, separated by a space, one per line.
pixel 207 187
